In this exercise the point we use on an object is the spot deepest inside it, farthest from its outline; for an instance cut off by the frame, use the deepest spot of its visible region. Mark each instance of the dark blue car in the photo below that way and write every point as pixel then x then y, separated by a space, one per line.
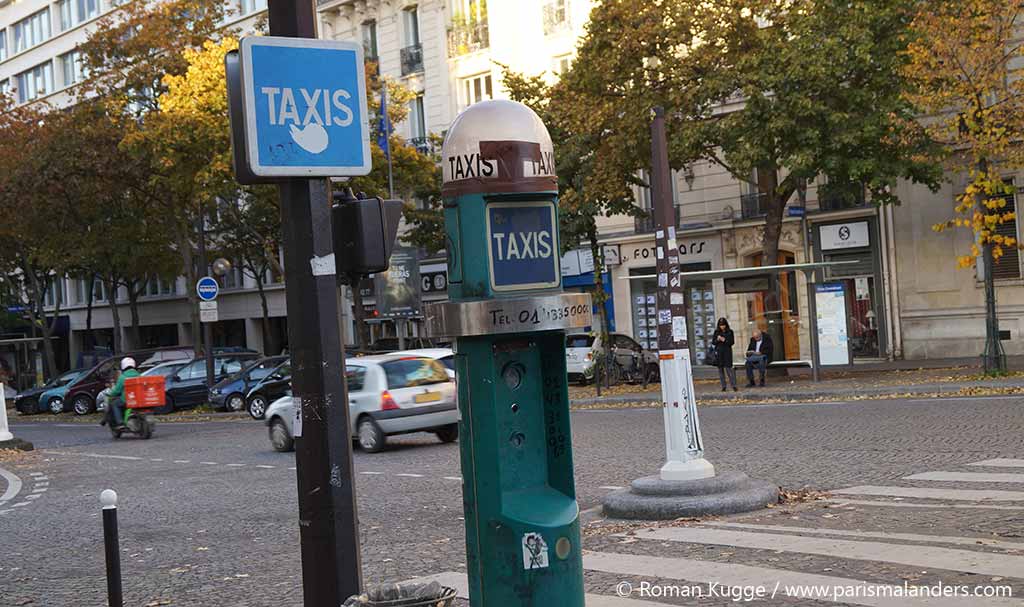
pixel 230 393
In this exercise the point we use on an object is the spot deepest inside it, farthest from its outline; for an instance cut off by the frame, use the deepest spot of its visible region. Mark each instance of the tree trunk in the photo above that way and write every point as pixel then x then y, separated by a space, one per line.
pixel 115 314
pixel 133 306
pixel 775 205
pixel 270 346
pixel 37 315
pixel 189 264
pixel 600 297
pixel 90 341
pixel 359 317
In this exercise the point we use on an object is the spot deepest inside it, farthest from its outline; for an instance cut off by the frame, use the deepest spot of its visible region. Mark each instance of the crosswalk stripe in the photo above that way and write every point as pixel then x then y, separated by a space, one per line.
pixel 968 477
pixel 917 556
pixel 1000 462
pixel 964 495
pixel 843 502
pixel 711 572
pixel 460 582
pixel 880 535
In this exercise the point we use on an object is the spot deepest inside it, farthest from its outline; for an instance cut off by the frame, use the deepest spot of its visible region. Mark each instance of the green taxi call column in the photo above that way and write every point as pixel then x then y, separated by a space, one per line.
pixel 508 316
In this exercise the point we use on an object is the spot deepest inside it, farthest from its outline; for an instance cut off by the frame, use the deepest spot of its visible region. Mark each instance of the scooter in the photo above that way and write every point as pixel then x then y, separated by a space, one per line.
pixel 136 421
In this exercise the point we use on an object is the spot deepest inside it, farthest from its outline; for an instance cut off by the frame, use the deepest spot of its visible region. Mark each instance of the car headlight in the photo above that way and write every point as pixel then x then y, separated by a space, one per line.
pixel 214 391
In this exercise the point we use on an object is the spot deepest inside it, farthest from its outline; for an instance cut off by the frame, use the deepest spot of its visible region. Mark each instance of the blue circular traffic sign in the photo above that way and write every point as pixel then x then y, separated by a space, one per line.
pixel 207 288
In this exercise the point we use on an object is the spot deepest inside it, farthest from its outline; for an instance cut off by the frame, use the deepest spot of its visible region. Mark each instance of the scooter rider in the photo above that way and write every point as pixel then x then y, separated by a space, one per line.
pixel 115 398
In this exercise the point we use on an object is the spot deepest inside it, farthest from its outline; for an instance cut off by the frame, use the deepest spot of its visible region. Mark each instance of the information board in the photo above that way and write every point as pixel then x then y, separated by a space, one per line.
pixel 833 337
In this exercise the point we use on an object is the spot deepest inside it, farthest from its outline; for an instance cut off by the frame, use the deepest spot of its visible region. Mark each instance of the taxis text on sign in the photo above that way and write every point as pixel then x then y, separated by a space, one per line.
pixel 523 245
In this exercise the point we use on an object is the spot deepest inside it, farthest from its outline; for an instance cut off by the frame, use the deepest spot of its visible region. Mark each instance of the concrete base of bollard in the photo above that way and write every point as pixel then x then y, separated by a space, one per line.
pixel 16 443
pixel 651 498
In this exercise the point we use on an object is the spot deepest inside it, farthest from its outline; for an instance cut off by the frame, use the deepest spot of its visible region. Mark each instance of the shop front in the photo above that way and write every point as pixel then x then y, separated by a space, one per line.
pixel 855 242
pixel 636 304
pixel 578 277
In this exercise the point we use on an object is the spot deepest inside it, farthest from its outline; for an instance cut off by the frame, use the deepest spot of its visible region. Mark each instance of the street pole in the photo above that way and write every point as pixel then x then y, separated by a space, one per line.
pixel 328 526
pixel 204 270
pixel 994 357
pixel 683 443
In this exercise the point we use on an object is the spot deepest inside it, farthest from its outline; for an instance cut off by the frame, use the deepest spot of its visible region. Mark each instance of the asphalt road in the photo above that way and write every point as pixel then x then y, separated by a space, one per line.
pixel 208 510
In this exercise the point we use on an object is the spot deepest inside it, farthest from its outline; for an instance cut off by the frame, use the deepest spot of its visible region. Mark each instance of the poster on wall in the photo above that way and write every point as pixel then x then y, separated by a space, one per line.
pixel 833 339
pixel 398 289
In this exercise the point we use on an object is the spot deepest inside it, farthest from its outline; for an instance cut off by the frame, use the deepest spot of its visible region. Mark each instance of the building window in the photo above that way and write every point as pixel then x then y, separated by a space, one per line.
pixel 251 6
pixel 5 87
pixel 55 292
pixel 1008 265
pixel 31 30
pixel 73 12
pixel 556 16
pixel 417 121
pixel 71 68
pixel 476 88
pixel 411 26
pixel 561 65
pixel 370 39
pixel 231 280
pixel 99 290
pixel 3 44
pixel 36 82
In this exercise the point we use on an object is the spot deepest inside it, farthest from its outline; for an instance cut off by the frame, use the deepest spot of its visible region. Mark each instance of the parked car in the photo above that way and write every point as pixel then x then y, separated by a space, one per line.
pixel 167 369
pixel 162 356
pixel 390 344
pixel 49 397
pixel 275 385
pixel 445 356
pixel 230 393
pixel 187 387
pixel 388 395
pixel 81 395
pixel 582 350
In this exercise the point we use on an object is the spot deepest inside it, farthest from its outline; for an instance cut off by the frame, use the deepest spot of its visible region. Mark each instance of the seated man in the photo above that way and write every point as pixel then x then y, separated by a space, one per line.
pixel 759 354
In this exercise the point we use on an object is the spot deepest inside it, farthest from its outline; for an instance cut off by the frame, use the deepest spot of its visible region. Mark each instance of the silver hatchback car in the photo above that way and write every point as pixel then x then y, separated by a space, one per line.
pixel 388 394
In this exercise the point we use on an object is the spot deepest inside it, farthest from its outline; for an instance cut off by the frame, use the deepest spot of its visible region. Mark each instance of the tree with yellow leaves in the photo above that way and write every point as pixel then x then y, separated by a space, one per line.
pixel 964 74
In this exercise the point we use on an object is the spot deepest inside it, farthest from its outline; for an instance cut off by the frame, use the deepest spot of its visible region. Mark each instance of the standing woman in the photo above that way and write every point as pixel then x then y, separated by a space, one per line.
pixel 723 341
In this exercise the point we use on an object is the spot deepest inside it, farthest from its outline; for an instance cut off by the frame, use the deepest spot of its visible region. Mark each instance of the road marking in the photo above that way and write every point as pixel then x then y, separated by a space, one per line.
pixel 610 487
pixel 69 425
pixel 33 496
pixel 235 465
pixel 13 486
pixel 453 478
pixel 97 455
pixel 155 459
pixel 6 511
pixel 747 576
pixel 843 502
pixel 968 477
pixel 371 473
pixel 20 504
pixel 460 582
pixel 293 468
pixel 881 535
pixel 1000 462
pixel 930 557
pixel 409 475
pixel 182 461
pixel 966 495
pixel 209 463
pixel 39 489
pixel 263 466
pixel 35 473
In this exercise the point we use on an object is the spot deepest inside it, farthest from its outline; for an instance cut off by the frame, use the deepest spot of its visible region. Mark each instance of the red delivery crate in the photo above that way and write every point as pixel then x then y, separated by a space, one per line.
pixel 144 392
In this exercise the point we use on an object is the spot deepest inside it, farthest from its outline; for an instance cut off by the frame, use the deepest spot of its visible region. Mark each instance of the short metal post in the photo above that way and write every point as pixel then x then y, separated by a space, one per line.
pixel 5 432
pixel 113 551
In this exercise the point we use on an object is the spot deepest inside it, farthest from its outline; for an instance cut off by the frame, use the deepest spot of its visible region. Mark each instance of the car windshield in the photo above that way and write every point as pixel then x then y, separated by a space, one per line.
pixel 262 369
pixel 579 341
pixel 411 372
pixel 65 379
pixel 448 361
pixel 164 370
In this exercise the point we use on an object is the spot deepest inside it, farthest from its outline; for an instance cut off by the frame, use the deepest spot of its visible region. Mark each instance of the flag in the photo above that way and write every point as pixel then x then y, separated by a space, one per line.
pixel 384 126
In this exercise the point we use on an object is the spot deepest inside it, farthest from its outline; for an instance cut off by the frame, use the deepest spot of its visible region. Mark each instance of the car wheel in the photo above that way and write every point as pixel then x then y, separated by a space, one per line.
pixel 280 439
pixel 258 406
pixel 653 374
pixel 56 405
pixel 371 437
pixel 448 434
pixel 167 408
pixel 235 402
pixel 82 404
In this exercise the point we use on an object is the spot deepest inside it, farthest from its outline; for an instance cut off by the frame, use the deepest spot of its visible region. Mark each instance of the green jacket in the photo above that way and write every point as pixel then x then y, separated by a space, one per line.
pixel 117 392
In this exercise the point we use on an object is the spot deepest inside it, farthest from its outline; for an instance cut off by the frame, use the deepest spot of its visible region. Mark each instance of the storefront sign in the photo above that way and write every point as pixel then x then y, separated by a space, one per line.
pixel 645 253
pixel 611 255
pixel 434 278
pixel 845 236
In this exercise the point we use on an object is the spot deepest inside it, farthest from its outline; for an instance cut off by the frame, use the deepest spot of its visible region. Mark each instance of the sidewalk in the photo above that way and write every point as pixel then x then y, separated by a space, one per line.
pixel 947 377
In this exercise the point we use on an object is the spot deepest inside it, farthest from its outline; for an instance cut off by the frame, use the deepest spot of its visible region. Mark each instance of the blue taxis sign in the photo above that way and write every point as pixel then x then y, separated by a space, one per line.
pixel 522 245
pixel 304 107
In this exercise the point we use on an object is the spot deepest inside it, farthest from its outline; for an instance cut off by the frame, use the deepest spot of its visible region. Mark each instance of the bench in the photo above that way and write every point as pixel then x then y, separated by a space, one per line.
pixel 782 366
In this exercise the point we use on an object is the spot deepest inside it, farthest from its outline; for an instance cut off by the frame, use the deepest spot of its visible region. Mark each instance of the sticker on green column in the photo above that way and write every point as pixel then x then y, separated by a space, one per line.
pixel 535 551
pixel 522 245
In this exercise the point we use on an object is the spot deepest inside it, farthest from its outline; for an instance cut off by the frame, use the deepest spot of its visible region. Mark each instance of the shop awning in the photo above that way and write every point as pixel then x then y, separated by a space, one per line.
pixel 806 268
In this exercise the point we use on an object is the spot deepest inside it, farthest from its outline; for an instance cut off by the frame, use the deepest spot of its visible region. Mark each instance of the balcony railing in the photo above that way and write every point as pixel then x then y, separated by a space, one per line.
pixel 556 17
pixel 464 38
pixel 645 223
pixel 423 145
pixel 412 59
pixel 753 205
pixel 836 201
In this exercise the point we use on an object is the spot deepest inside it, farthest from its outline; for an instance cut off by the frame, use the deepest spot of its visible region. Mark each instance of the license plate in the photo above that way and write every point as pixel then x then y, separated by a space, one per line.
pixel 426 397
pixel 571 356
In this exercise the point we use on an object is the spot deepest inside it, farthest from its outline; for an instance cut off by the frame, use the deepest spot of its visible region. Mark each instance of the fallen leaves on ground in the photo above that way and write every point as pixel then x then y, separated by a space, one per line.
pixel 795 496
pixel 17 455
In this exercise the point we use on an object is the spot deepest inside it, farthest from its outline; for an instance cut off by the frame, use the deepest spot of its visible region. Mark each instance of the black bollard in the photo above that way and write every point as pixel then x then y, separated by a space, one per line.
pixel 113 551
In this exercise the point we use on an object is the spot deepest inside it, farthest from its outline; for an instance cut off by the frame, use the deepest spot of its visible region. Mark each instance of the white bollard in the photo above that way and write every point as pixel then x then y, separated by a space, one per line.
pixel 683 442
pixel 5 432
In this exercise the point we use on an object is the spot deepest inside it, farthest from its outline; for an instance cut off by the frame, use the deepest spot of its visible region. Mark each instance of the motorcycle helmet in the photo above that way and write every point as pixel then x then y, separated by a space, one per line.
pixel 127 363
